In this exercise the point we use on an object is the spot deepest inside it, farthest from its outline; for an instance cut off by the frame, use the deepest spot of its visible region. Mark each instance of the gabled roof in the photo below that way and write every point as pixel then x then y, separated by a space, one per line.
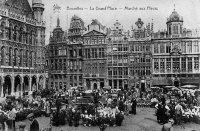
pixel 94 32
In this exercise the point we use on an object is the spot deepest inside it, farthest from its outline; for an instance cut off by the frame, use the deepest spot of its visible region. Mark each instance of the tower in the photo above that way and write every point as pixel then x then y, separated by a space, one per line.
pixel 38 9
pixel 174 24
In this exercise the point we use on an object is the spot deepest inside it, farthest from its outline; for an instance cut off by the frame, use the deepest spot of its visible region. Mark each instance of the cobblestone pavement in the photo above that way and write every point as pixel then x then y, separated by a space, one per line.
pixel 144 120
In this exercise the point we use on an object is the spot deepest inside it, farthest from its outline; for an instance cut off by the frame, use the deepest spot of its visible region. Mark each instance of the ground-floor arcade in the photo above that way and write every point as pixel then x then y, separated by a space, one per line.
pixel 18 84
pixel 94 83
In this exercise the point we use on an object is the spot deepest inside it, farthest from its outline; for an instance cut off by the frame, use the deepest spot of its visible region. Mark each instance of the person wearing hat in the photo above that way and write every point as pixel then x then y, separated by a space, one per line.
pixel 168 126
pixel 34 125
pixel 22 126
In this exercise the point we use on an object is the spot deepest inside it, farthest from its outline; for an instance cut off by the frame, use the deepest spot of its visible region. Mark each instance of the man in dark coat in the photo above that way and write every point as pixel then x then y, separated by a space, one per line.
pixel 34 126
pixel 134 104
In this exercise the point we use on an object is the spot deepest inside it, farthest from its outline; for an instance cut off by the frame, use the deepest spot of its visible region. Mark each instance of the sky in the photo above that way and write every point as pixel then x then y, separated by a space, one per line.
pixel 158 10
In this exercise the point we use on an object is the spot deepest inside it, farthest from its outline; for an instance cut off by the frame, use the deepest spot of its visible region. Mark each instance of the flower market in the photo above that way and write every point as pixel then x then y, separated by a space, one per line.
pixel 106 107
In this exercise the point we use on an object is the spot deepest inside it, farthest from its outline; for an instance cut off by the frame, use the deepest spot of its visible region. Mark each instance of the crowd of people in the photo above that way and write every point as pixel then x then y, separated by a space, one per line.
pixel 181 106
pixel 103 107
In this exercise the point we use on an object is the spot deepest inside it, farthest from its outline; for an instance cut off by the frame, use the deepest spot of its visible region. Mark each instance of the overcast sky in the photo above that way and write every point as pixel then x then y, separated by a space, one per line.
pixel 188 9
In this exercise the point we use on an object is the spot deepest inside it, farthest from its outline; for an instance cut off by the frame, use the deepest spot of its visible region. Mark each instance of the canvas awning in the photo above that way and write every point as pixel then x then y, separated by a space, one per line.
pixel 161 82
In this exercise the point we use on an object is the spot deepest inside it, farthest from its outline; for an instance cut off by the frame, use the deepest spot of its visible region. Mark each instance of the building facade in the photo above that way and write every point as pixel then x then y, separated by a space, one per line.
pixel 94 46
pixel 75 33
pixel 117 57
pixel 22 47
pixel 64 56
pixel 176 54
pixel 140 56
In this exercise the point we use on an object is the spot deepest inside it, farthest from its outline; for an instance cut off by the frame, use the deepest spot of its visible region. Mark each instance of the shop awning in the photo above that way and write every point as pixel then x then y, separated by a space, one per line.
pixel 161 82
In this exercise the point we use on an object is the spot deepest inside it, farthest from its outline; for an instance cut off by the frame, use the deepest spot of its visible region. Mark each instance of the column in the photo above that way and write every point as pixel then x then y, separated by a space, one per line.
pixel 123 84
pixel 37 82
pixel 21 84
pixel 30 84
pixel 1 86
pixel 186 64
pixel 180 67
pixel 171 64
pixel 84 82
pixel 98 84
pixel 106 82
pixel 117 84
pixel 12 84
pixel 192 64
pixel 112 84
pixel 159 65
pixel 165 60
pixel 44 82
pixel 91 84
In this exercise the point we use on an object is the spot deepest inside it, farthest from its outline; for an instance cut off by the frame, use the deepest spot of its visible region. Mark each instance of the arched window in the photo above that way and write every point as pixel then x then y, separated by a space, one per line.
pixel 2 30
pixel 20 58
pixel 27 58
pixel 20 34
pixel 31 38
pixel 15 33
pixel 31 61
pixel 10 57
pixel 2 55
pixel 15 57
pixel 10 32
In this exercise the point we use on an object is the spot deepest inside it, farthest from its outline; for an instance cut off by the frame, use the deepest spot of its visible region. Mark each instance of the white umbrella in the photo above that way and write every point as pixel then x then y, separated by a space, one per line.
pixel 189 86
pixel 155 87
pixel 169 87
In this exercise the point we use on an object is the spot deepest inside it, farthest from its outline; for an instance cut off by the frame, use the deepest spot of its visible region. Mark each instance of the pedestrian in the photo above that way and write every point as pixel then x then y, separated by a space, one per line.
pixel 34 125
pixel 168 126
pixel 134 105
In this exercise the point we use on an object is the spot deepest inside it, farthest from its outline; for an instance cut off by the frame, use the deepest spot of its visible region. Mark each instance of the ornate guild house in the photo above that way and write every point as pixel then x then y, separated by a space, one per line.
pixel 65 56
pixel 94 56
pixel 22 47
pixel 140 56
pixel 176 54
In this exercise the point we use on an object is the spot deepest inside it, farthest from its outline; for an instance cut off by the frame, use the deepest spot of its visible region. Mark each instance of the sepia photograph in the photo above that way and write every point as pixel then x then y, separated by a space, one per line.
pixel 99 65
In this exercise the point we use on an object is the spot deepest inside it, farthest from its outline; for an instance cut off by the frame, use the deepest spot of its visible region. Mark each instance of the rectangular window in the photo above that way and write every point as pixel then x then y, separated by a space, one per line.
pixel 132 48
pixel 120 72
pixel 196 46
pixel 183 64
pixel 162 48
pixel 196 63
pixel 155 48
pixel 156 67
pixel 189 64
pixel 176 64
pixel 162 65
pixel 109 72
pixel 168 47
pixel 189 47
pixel 147 48
pixel 125 71
pixel 183 47
pixel 71 78
pixel 175 29
pixel 148 71
pixel 93 53
pixel 132 59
